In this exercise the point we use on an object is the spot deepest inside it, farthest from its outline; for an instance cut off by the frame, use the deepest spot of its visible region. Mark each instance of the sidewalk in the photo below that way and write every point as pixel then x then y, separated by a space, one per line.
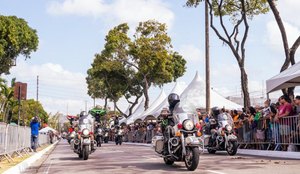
pixel 263 153
pixel 29 161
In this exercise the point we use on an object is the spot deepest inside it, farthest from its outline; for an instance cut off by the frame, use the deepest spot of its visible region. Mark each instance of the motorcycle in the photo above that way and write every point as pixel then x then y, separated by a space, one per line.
pixel 220 136
pixel 106 135
pixel 71 136
pixel 119 137
pixel 99 137
pixel 179 142
pixel 84 143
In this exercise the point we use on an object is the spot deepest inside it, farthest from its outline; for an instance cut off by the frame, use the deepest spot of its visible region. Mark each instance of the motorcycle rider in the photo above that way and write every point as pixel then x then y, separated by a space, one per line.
pixel 213 120
pixel 168 120
pixel 90 125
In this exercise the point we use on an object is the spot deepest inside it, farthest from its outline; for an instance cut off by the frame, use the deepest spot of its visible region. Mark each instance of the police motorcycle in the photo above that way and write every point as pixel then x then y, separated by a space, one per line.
pixel 99 135
pixel 98 113
pixel 219 134
pixel 118 135
pixel 84 143
pixel 179 142
pixel 106 135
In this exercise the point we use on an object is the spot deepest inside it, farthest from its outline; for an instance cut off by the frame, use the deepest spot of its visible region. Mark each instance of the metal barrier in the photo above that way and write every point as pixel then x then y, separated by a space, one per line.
pixel 17 139
pixel 287 131
pixel 263 132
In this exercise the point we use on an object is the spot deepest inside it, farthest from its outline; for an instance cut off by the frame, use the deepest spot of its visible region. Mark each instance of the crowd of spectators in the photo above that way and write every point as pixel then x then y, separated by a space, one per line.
pixel 272 126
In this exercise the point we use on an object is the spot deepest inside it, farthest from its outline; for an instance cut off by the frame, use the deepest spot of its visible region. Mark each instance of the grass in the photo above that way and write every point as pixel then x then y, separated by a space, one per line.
pixel 5 164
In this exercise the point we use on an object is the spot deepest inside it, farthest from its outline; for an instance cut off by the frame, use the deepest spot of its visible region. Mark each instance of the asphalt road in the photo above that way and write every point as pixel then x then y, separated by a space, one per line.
pixel 113 159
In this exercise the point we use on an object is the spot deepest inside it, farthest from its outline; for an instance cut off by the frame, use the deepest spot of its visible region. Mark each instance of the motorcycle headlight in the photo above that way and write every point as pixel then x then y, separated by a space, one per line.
pixel 188 125
pixel 99 131
pixel 85 132
pixel 228 128
pixel 72 135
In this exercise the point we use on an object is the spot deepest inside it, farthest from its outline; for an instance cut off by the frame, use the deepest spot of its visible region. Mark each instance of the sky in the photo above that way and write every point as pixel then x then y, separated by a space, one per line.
pixel 71 32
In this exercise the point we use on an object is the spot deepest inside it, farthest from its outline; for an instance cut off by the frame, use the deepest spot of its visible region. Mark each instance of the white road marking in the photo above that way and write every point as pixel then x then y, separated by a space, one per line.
pixel 47 171
pixel 211 171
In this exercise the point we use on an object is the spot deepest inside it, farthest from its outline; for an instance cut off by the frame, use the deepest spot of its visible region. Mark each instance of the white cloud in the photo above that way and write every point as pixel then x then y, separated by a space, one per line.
pixel 117 11
pixel 274 36
pixel 191 53
pixel 58 88
pixel 78 7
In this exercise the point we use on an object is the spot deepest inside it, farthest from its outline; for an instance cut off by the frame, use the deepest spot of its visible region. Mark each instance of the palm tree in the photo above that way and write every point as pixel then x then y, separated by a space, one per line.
pixel 7 98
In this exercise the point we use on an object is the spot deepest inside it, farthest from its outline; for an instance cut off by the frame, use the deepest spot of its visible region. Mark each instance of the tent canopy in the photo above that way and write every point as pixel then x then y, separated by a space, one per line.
pixel 156 111
pixel 288 78
pixel 153 106
pixel 194 97
pixel 47 129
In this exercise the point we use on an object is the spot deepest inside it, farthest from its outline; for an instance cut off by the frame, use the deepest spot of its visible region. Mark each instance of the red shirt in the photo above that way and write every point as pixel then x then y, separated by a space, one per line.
pixel 282 110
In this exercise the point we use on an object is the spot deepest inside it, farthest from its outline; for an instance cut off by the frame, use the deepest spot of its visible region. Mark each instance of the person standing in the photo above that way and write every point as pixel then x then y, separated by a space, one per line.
pixel 297 105
pixel 35 126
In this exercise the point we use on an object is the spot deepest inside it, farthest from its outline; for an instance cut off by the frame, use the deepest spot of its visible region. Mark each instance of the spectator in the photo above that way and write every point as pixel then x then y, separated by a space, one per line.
pixel 285 109
pixel 297 105
pixel 34 125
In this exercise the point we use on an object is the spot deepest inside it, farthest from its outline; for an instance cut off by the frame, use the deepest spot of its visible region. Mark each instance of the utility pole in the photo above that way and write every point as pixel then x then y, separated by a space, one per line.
pixel 85 106
pixel 19 105
pixel 207 60
pixel 37 88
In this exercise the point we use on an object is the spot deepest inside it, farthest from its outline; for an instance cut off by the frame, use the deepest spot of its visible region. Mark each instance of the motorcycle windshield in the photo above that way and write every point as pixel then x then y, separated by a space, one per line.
pixel 86 122
pixel 224 119
pixel 180 115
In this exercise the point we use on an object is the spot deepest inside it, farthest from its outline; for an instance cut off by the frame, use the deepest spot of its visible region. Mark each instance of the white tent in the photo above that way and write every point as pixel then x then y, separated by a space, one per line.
pixel 156 111
pixel 194 97
pixel 140 109
pixel 288 78
pixel 47 129
pixel 153 106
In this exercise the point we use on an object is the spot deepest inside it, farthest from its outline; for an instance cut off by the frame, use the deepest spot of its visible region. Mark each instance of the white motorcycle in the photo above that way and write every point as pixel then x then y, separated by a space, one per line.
pixel 179 140
pixel 220 137
pixel 84 144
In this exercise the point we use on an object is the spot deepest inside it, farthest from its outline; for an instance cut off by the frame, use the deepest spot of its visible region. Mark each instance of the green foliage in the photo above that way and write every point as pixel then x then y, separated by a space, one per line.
pixel 152 54
pixel 16 38
pixel 125 66
pixel 29 109
pixel 233 8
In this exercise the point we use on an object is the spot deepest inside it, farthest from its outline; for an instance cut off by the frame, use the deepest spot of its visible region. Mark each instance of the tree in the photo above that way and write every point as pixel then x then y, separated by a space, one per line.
pixel 16 38
pixel 238 12
pixel 128 68
pixel 289 52
pixel 7 99
pixel 152 55
pixel 110 78
pixel 29 108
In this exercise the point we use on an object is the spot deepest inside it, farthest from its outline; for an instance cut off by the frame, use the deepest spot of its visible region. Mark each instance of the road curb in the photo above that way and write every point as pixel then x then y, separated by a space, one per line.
pixel 26 163
pixel 262 153
pixel 274 154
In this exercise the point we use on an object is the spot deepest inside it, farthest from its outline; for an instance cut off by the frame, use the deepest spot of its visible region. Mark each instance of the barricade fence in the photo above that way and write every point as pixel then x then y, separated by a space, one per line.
pixel 264 134
pixel 17 139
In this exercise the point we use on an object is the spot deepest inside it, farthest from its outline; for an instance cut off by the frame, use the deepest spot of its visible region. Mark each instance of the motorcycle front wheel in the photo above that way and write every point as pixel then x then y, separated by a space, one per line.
pixel 192 158
pixel 232 148
pixel 85 152
pixel 168 161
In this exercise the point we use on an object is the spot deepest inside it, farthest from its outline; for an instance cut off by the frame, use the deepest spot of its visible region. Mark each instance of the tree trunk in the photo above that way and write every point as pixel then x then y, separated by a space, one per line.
pixel 133 105
pixel 244 82
pixel 145 91
pixel 283 34
pixel 105 103
pixel 293 50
